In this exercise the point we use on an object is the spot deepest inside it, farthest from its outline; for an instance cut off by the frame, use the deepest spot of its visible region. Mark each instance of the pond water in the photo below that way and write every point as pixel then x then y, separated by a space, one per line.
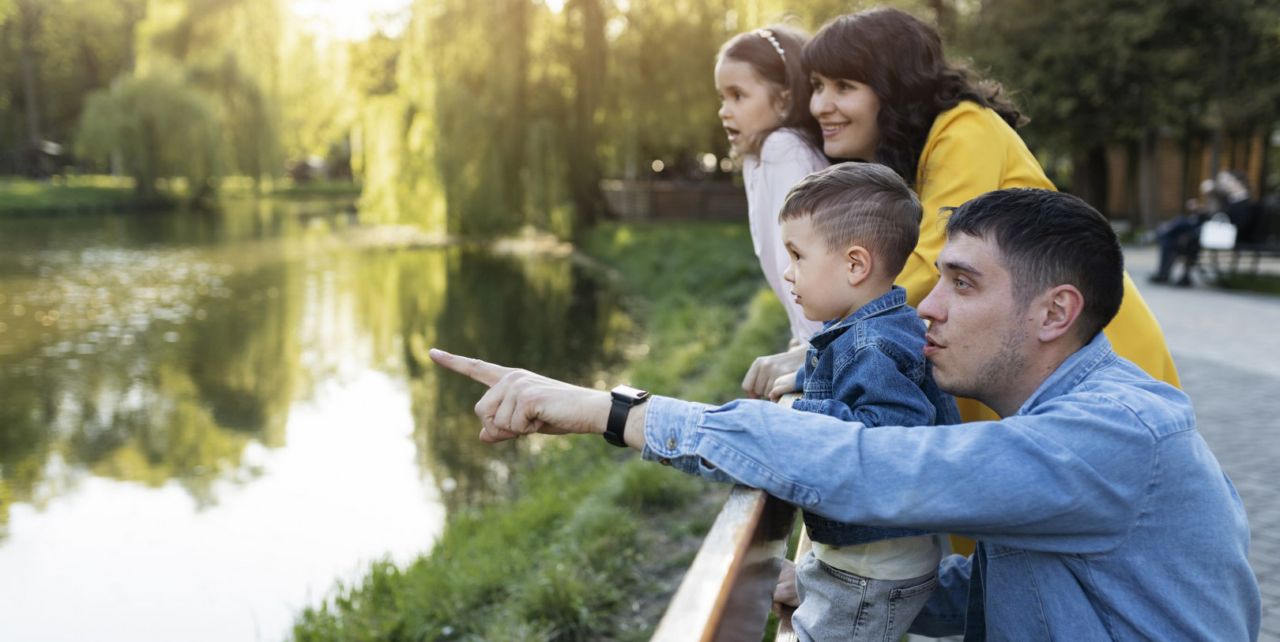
pixel 207 420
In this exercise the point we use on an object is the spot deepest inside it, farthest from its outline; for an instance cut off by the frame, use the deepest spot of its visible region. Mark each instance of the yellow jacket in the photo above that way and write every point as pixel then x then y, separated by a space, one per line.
pixel 971 151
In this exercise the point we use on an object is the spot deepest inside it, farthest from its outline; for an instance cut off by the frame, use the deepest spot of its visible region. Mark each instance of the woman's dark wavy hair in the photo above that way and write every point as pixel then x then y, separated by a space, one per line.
pixel 900 57
pixel 782 73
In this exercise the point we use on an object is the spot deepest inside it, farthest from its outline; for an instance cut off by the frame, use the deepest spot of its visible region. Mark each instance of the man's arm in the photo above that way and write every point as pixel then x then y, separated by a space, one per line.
pixel 1069 479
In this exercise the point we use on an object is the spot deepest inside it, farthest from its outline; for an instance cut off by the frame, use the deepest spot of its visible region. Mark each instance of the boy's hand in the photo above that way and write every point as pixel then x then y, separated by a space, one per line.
pixel 766 370
pixel 785 384
pixel 785 593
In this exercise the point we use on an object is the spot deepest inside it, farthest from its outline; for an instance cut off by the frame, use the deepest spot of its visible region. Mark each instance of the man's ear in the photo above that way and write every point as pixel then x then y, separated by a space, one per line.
pixel 1061 307
pixel 860 264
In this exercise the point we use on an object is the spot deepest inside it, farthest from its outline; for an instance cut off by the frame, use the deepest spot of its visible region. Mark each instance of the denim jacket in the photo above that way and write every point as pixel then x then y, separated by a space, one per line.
pixel 1100 512
pixel 870 368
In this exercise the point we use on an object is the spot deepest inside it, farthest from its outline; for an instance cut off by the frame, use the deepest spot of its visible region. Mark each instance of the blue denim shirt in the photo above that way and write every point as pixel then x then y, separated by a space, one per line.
pixel 1099 510
pixel 870 368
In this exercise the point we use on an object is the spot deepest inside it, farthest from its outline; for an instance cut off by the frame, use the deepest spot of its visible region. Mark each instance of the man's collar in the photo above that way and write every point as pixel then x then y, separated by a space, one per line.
pixel 895 298
pixel 1072 371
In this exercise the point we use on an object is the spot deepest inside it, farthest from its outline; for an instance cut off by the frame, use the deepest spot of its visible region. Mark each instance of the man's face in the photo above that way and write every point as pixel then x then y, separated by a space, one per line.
pixel 979 335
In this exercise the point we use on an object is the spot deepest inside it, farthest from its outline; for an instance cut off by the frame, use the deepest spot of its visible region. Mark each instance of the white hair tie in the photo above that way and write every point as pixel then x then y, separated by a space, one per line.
pixel 773 40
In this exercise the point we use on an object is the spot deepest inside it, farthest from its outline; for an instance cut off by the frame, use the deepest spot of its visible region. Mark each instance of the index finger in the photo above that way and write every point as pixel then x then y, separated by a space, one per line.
pixel 482 371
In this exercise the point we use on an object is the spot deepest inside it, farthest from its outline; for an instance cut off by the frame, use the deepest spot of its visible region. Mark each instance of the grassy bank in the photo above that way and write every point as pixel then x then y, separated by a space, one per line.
pixel 70 194
pixel 595 542
pixel 78 194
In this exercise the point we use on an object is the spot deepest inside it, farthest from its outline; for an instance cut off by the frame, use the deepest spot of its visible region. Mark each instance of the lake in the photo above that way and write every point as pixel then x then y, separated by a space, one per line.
pixel 206 420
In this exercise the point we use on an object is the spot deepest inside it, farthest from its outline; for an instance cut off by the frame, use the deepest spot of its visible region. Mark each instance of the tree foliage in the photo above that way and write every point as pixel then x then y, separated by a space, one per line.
pixel 483 116
pixel 169 128
pixel 1094 74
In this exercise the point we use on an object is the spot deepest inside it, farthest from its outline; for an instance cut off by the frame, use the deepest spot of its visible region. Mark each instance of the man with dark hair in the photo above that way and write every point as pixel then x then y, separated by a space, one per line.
pixel 1099 511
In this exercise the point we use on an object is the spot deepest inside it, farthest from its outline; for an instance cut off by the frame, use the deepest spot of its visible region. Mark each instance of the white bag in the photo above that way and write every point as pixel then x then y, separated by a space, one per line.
pixel 1218 233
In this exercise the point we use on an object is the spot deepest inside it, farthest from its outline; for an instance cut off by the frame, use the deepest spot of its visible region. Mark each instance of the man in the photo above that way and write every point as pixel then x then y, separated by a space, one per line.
pixel 1099 511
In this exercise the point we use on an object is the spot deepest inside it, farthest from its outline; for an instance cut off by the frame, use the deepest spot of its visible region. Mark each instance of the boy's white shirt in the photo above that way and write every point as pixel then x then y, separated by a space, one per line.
pixel 784 159
pixel 902 558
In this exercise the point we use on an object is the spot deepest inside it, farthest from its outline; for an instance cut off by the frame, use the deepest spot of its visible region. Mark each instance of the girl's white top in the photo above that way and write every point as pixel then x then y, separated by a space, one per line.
pixel 784 159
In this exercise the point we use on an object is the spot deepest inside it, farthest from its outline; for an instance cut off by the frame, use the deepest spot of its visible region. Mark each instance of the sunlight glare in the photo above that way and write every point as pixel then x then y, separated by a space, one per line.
pixel 352 20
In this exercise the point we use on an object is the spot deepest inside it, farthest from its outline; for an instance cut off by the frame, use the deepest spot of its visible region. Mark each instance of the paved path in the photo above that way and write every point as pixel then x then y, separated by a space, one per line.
pixel 1227 348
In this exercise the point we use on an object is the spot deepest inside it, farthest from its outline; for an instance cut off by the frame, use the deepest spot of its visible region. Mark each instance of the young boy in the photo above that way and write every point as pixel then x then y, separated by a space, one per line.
pixel 849 230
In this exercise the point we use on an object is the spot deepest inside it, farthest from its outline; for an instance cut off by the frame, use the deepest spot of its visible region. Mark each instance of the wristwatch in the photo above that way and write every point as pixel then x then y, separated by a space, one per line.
pixel 624 399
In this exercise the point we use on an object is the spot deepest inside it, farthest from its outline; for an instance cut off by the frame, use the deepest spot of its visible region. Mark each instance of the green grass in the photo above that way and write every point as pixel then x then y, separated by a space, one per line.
pixel 72 194
pixel 595 540
pixel 68 193
pixel 243 187
pixel 698 291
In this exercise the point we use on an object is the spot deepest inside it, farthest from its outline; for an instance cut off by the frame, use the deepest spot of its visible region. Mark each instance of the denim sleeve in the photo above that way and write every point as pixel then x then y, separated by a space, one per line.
pixel 1021 482
pixel 872 390
pixel 800 377
pixel 944 613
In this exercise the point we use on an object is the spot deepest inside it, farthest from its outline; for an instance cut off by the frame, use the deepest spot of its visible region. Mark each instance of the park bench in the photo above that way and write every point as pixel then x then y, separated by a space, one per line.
pixel 1254 244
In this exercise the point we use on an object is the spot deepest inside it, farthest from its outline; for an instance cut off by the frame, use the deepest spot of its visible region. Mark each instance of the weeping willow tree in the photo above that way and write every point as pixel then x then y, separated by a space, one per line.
pixel 467 104
pixel 509 112
pixel 202 99
pixel 158 126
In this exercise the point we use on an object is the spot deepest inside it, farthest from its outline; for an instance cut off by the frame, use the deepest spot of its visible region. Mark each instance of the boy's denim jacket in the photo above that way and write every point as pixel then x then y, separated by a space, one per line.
pixel 869 367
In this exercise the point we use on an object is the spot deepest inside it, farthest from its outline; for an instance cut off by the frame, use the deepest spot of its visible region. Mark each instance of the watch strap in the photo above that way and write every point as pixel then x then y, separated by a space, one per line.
pixel 624 399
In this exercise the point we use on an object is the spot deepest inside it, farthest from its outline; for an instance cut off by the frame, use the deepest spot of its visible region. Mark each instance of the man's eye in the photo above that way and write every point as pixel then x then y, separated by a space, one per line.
pixel 960 284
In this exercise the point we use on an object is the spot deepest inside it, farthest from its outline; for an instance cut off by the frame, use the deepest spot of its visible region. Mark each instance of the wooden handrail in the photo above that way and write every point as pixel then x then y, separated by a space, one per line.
pixel 727 592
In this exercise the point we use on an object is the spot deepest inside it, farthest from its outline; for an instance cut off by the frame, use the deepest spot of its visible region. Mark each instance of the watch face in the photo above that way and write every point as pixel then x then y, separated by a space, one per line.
pixel 627 393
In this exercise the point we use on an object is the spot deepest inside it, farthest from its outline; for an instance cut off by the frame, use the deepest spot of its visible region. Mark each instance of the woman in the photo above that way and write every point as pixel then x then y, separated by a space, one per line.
pixel 883 92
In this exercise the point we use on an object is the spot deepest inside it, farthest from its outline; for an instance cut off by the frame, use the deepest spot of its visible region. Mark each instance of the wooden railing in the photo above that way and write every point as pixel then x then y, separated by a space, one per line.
pixel 727 592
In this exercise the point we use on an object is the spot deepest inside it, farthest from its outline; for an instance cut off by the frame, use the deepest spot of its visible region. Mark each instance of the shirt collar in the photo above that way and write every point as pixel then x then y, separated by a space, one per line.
pixel 1071 372
pixel 895 298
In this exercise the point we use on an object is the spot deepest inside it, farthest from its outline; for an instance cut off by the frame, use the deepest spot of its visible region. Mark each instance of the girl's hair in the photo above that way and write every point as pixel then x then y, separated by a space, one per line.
pixel 775 54
pixel 900 58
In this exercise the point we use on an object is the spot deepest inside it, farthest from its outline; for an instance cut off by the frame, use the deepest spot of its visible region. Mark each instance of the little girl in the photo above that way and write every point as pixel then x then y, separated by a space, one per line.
pixel 764 108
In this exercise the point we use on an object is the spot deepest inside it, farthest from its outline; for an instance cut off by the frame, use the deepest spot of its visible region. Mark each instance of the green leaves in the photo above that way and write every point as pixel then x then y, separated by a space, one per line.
pixel 159 125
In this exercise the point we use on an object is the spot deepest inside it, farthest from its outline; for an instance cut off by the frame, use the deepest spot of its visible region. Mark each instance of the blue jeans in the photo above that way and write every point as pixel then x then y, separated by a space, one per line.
pixel 839 605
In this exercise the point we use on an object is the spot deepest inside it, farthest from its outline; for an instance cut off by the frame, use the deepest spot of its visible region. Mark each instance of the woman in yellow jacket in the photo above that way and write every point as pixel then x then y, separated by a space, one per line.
pixel 883 92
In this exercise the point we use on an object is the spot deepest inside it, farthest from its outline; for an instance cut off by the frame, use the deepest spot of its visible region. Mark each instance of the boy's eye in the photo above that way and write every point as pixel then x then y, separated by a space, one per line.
pixel 959 283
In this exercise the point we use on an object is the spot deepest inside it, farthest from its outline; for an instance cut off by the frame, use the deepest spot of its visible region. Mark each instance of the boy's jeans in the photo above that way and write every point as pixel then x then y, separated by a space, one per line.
pixel 839 605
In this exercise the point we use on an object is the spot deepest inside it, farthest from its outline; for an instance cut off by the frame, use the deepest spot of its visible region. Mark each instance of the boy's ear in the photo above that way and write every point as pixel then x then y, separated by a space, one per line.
pixel 860 264
pixel 1061 307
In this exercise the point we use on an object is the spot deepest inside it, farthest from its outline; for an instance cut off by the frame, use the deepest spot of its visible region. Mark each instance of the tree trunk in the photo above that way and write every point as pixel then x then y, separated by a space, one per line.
pixel 29 14
pixel 516 58
pixel 1089 180
pixel 1147 195
pixel 588 73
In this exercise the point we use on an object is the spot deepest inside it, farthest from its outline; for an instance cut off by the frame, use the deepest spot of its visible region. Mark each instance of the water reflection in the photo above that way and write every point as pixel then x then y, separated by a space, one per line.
pixel 551 319
pixel 248 361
